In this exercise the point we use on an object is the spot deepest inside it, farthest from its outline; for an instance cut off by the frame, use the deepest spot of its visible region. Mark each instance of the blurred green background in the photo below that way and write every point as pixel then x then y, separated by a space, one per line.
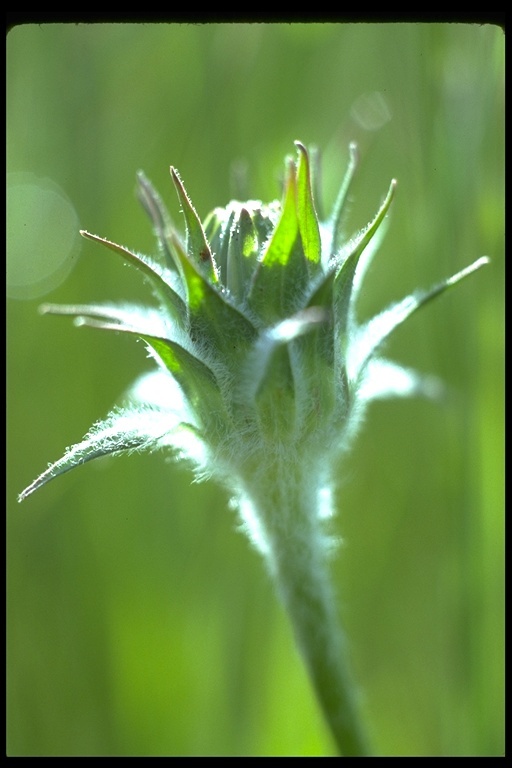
pixel 140 622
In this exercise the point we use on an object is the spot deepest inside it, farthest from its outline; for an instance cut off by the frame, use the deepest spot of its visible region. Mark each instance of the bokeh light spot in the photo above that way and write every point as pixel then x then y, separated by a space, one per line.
pixel 42 235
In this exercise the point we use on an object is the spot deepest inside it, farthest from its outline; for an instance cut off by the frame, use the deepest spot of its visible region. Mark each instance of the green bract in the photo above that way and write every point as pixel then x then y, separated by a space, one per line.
pixel 261 360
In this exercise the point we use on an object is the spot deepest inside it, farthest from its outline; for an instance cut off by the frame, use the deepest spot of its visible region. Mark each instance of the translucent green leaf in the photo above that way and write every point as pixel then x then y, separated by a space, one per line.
pixel 287 228
pixel 169 298
pixel 215 324
pixel 197 244
pixel 364 262
pixel 194 377
pixel 280 281
pixel 343 282
pixel 123 430
pixel 306 214
pixel 242 254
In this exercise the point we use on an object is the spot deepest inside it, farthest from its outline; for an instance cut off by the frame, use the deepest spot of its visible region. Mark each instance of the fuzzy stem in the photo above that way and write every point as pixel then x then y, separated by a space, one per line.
pixel 288 507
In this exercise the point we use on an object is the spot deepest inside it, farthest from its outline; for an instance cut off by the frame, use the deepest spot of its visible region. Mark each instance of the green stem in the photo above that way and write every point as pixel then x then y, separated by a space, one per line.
pixel 297 557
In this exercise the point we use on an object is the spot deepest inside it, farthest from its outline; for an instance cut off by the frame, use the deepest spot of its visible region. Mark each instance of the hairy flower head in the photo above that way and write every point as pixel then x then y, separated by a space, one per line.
pixel 260 357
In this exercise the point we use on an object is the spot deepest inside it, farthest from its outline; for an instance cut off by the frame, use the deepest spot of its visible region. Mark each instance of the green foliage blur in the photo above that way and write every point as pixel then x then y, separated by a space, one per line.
pixel 140 621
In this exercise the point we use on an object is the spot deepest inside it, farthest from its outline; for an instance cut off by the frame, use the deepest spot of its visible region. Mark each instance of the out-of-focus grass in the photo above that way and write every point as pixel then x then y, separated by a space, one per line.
pixel 139 621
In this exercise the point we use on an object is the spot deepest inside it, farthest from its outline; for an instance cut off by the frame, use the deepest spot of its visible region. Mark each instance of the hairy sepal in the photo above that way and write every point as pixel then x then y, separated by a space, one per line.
pixel 162 286
pixel 124 430
pixel 367 339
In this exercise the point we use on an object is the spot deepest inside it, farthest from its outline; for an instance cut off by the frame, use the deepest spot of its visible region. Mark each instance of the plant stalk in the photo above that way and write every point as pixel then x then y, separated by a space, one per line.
pixel 297 556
